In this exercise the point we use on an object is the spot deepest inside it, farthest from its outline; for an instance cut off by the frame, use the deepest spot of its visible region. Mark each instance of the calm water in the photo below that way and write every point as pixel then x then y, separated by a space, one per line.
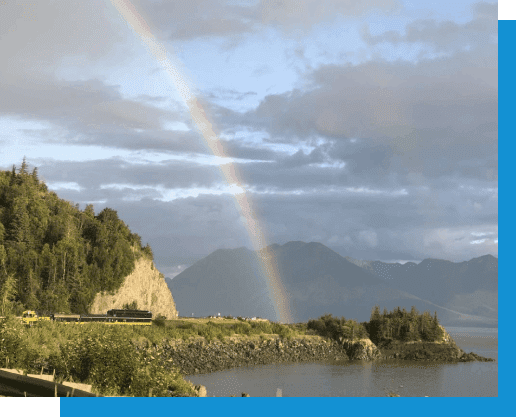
pixel 371 379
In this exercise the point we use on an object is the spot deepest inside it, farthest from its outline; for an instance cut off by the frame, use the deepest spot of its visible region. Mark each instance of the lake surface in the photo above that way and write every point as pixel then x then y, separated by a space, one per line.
pixel 368 379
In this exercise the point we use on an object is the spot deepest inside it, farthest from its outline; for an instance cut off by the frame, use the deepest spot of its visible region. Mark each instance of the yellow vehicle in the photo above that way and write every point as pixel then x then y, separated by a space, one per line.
pixel 29 317
pixel 127 317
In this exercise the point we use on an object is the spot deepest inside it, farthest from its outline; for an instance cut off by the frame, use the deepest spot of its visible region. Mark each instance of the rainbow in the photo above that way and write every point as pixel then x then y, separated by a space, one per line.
pixel 229 171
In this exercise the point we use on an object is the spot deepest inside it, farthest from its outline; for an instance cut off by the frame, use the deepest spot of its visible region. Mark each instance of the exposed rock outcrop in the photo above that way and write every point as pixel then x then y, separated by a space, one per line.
pixel 417 351
pixel 200 390
pixel 362 349
pixel 445 350
pixel 145 285
pixel 199 356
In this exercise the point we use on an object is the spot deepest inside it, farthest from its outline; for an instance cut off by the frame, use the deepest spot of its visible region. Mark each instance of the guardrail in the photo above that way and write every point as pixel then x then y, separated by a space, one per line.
pixel 16 385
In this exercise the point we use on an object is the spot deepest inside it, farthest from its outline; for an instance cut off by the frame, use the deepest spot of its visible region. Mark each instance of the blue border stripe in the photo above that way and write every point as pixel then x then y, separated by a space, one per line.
pixel 506 151
pixel 264 407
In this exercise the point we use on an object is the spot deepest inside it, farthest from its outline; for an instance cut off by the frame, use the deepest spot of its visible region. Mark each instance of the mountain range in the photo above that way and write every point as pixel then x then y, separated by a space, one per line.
pixel 318 281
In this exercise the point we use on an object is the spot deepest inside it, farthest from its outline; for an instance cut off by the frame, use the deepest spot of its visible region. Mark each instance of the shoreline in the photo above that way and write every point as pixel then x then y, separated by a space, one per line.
pixel 139 360
pixel 199 356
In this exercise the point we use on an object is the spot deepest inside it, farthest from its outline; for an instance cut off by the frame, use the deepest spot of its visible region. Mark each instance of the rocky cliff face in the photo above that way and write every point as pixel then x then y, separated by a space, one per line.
pixel 362 349
pixel 145 285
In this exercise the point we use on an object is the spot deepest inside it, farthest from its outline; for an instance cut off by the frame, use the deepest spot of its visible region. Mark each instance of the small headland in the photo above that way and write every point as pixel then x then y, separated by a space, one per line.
pixel 404 335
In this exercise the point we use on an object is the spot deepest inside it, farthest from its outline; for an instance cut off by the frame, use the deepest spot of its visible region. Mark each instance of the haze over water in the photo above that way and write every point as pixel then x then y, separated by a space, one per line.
pixel 369 379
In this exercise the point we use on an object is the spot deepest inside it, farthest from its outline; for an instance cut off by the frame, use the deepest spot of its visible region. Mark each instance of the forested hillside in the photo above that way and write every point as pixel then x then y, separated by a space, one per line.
pixel 53 256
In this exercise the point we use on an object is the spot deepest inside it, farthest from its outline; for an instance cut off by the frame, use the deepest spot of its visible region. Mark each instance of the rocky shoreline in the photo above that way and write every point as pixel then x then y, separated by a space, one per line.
pixel 199 356
pixel 428 351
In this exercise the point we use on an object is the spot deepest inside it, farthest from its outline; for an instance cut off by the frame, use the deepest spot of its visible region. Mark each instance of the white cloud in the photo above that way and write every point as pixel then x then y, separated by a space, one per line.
pixel 366 190
pixel 64 186
pixel 477 242
pixel 454 242
pixel 134 192
pixel 402 261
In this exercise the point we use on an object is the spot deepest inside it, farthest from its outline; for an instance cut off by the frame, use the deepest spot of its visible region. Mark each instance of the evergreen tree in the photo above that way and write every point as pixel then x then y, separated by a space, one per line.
pixel 375 313
pixel 20 222
pixel 3 260
pixel 7 295
pixel 35 175
pixel 24 170
pixel 13 175
pixel 58 255
pixel 148 252
pixel 401 325
pixel 2 231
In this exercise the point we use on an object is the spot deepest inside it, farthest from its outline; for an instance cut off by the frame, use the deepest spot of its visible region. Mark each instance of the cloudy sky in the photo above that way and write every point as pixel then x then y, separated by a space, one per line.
pixel 367 125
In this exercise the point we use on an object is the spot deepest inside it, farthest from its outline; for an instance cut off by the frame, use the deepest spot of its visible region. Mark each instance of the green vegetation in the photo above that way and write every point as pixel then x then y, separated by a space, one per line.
pixel 397 324
pixel 337 328
pixel 133 360
pixel 160 320
pixel 53 256
pixel 222 328
pixel 131 306
pixel 401 325
pixel 116 360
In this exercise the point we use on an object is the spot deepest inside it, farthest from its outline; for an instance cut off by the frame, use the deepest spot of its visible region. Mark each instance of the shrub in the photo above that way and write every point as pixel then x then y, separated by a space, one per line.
pixel 12 336
pixel 335 328
pixel 117 366
pixel 160 320
pixel 131 306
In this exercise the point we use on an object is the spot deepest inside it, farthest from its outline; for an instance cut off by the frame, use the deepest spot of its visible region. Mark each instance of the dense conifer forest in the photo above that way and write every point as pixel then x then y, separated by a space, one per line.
pixel 402 325
pixel 55 257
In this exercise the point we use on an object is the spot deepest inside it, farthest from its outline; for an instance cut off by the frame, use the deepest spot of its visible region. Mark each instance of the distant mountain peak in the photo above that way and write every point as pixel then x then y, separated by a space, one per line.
pixel 274 246
pixel 434 261
pixel 487 257
pixel 294 244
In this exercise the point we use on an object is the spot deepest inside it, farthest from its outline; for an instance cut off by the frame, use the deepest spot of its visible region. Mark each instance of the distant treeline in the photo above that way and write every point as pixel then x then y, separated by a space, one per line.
pixel 397 324
pixel 53 256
